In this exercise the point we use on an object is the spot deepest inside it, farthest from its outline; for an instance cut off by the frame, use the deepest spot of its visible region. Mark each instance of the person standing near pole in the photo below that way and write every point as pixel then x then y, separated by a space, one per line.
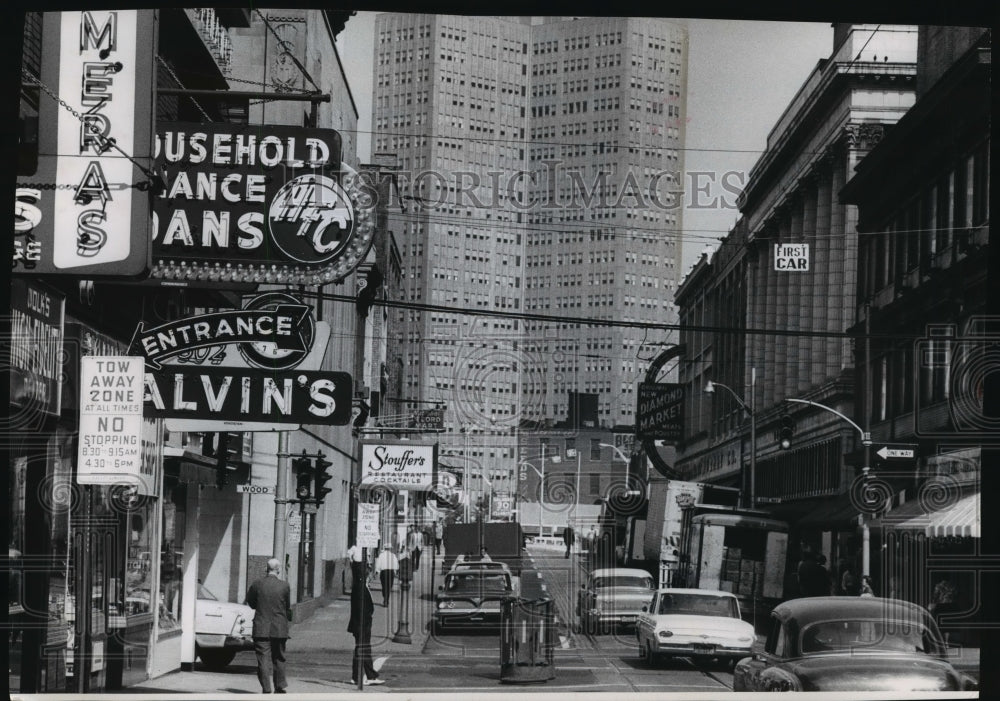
pixel 270 598
pixel 438 535
pixel 386 565
pixel 415 541
pixel 360 625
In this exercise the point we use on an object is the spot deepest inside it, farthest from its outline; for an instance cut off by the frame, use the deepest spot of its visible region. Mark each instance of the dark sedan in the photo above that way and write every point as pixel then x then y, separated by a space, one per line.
pixel 469 599
pixel 853 644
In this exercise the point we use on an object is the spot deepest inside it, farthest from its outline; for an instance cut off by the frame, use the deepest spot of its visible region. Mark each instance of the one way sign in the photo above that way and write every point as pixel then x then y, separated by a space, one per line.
pixel 887 453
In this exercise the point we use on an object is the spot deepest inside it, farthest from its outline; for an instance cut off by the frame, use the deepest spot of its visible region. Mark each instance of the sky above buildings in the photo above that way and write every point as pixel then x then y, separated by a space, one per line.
pixel 741 76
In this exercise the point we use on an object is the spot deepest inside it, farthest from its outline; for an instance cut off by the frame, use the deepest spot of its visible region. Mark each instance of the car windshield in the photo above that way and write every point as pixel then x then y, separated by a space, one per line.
pixel 873 634
pixel 616 581
pixel 698 605
pixel 476 583
pixel 204 593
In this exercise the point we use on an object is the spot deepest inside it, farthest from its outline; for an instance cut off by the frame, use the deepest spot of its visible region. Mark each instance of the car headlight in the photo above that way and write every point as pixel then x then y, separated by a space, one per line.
pixel 784 684
pixel 664 633
pixel 745 639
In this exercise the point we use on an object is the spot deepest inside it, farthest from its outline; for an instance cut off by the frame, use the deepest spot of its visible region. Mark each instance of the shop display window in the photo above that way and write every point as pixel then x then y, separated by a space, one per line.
pixel 139 570
pixel 172 557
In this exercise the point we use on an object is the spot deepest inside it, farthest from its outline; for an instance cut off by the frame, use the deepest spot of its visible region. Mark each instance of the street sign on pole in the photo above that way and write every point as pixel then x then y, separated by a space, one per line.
pixel 888 453
pixel 368 525
pixel 254 489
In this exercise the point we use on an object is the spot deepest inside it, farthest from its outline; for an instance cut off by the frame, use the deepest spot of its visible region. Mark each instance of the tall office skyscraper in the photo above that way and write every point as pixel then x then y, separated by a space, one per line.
pixel 529 148
pixel 607 115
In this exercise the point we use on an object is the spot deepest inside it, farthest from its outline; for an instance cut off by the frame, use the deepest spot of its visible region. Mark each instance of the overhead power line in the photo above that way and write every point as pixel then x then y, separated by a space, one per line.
pixel 610 322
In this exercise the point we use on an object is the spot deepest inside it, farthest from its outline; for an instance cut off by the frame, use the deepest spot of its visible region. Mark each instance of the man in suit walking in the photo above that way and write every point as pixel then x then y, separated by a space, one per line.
pixel 270 598
pixel 360 625
pixel 568 538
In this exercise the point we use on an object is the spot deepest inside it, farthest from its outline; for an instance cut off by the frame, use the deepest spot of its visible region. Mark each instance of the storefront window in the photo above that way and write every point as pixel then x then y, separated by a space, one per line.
pixel 139 565
pixel 171 557
pixel 15 527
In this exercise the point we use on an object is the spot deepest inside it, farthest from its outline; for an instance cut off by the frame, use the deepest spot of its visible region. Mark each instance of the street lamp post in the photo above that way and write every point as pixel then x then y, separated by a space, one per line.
pixel 749 409
pixel 541 476
pixel 628 463
pixel 866 441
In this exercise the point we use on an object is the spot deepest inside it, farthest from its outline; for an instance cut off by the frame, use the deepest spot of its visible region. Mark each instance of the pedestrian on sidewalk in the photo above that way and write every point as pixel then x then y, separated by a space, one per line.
pixel 415 541
pixel 438 536
pixel 360 625
pixel 270 598
pixel 568 538
pixel 405 559
pixel 386 565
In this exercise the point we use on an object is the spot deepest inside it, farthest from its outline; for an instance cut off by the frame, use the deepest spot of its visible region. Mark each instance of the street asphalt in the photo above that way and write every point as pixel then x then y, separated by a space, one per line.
pixel 320 649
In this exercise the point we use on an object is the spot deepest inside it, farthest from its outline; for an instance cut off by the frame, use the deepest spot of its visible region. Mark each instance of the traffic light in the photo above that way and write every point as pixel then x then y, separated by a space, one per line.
pixel 785 431
pixel 303 477
pixel 321 478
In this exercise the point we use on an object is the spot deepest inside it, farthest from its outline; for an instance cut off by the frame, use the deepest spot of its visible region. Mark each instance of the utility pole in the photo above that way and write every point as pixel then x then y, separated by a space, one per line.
pixel 753 437
pixel 865 531
pixel 281 501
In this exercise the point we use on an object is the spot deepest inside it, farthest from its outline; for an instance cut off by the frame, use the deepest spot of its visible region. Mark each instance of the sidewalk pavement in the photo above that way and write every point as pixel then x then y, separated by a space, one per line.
pixel 322 641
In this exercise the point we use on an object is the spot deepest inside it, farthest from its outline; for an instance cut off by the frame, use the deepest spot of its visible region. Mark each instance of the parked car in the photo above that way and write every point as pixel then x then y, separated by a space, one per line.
pixel 612 596
pixel 856 644
pixel 699 623
pixel 470 599
pixel 489 567
pixel 221 629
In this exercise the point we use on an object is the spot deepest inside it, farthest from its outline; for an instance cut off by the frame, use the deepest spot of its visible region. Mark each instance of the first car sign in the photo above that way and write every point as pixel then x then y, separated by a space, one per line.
pixel 791 256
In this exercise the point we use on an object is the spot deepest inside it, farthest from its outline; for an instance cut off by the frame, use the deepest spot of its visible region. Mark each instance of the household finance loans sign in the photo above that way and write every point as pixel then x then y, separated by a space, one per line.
pixel 257 203
pixel 402 464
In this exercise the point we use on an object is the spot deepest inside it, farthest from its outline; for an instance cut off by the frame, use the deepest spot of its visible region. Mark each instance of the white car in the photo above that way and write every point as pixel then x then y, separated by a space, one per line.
pixel 699 623
pixel 612 596
pixel 221 629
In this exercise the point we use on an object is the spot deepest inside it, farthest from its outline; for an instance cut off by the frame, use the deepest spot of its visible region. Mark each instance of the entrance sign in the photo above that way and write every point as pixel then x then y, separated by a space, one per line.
pixel 281 327
pixel 229 394
pixel 791 256
pixel 368 525
pixel 258 203
pixel 111 424
pixel 402 464
pixel 96 218
pixel 660 411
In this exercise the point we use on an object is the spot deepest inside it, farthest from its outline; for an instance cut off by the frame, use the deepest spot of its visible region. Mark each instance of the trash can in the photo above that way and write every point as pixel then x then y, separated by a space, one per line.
pixel 527 640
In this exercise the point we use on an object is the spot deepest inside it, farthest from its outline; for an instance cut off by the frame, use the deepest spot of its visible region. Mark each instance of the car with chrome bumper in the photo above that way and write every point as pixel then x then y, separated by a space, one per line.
pixel 221 629
pixel 612 596
pixel 851 644
pixel 702 624
pixel 469 600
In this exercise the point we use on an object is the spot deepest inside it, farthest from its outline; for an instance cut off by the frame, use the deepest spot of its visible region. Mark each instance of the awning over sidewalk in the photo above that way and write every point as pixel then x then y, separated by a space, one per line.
pixel 822 513
pixel 960 518
pixel 187 467
pixel 834 512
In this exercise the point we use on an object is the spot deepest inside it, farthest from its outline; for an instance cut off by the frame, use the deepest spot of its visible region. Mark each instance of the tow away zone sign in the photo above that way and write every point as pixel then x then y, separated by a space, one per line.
pixel 111 390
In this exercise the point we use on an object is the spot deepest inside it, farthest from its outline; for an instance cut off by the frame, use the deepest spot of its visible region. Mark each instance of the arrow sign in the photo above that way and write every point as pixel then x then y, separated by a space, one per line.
pixel 885 452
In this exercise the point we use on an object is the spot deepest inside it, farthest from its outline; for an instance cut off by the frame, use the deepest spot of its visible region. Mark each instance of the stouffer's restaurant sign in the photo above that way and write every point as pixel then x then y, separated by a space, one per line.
pixel 259 204
pixel 403 464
